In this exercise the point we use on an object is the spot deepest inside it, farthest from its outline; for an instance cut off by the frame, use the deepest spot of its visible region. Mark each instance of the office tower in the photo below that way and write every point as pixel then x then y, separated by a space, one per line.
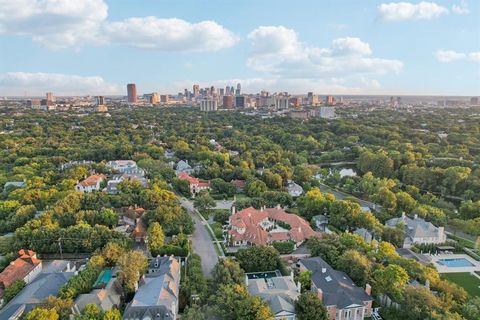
pixel 281 102
pixel 50 97
pixel 196 90
pixel 164 98
pixel 240 102
pixel 100 100
pixel 228 102
pixel 296 101
pixel 330 100
pixel 185 93
pixel 221 92
pixel 208 105
pixel 327 112
pixel 239 89
pixel 131 93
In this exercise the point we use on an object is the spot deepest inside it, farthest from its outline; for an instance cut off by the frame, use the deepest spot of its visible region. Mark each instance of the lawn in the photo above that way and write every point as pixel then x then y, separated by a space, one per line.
pixel 465 280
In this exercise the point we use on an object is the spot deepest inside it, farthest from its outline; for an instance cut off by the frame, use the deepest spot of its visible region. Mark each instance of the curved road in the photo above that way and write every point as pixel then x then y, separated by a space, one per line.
pixel 201 241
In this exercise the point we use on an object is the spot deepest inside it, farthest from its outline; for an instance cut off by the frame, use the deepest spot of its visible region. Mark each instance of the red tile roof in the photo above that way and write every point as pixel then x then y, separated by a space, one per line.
pixel 92 180
pixel 20 268
pixel 251 218
pixel 189 178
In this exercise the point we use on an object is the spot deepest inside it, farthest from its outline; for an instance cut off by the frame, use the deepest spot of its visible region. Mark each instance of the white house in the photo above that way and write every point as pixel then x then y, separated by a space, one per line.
pixel 92 183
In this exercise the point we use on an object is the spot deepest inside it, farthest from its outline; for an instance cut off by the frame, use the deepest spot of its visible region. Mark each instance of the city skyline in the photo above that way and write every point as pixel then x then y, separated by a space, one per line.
pixel 97 47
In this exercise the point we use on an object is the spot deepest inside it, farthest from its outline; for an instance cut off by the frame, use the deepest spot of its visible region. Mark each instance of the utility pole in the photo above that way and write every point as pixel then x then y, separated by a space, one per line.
pixel 60 247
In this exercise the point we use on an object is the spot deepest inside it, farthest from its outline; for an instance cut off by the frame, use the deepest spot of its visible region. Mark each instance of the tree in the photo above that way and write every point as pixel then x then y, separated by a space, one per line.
pixel 227 271
pixel 156 238
pixel 203 201
pixel 182 186
pixel 112 252
pixel 258 258
pixel 395 236
pixel 378 163
pixel 390 280
pixel 356 265
pixel 112 314
pixel 233 302
pixel 13 290
pixel 471 310
pixel 309 307
pixel 42 314
pixel 62 306
pixel 132 265
pixel 255 188
pixel 405 202
pixel 305 279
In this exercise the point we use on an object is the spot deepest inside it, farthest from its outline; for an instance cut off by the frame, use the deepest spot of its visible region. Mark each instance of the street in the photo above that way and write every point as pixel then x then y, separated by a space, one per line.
pixel 202 244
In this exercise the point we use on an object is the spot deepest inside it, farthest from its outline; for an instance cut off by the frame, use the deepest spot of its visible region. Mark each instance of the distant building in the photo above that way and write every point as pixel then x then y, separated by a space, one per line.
pixel 418 231
pixel 240 102
pixel 100 100
pixel 338 293
pixel 164 98
pixel 183 166
pixel 126 166
pixel 208 105
pixel 131 93
pixel 112 184
pixel 228 102
pixel 326 112
pixel 281 102
pixel 196 185
pixel 34 103
pixel 293 189
pixel 474 101
pixel 92 183
pixel 365 234
pixel 320 222
pixel 157 296
pixel 264 226
pixel 280 293
pixel 196 90
pixel 14 185
pixel 50 97
pixel 330 100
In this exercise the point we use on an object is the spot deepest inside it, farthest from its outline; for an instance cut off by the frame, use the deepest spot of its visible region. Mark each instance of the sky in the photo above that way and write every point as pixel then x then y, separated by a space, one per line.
pixel 96 47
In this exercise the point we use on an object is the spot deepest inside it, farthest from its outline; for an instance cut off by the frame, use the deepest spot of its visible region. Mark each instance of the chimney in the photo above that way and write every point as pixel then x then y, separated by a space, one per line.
pixel 246 281
pixel 291 275
pixel 278 206
pixel 368 289
pixel 320 294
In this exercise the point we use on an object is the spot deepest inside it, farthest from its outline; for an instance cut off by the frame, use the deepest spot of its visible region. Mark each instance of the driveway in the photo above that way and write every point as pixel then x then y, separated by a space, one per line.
pixel 202 244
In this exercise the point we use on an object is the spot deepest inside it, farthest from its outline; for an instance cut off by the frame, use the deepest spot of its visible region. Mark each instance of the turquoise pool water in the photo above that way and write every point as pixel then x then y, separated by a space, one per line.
pixel 264 275
pixel 103 278
pixel 455 263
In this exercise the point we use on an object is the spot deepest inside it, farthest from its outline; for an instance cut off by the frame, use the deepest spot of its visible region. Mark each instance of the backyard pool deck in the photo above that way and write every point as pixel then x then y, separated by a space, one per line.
pixel 469 265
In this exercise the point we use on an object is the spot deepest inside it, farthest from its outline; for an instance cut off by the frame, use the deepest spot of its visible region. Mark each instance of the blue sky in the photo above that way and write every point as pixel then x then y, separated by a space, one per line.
pixel 329 47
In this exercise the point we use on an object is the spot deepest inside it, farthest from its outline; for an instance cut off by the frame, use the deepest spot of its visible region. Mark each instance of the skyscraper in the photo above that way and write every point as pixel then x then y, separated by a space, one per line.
pixel 196 90
pixel 228 102
pixel 50 97
pixel 132 93
pixel 239 89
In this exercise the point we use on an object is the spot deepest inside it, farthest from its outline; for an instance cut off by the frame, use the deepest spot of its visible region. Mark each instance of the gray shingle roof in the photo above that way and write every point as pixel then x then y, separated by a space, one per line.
pixel 44 285
pixel 338 289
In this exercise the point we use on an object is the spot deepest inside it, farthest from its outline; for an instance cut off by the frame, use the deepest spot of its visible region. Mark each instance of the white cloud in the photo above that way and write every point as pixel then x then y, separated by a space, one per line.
pixel 16 83
pixel 53 23
pixel 277 51
pixel 462 8
pixel 73 23
pixel 450 55
pixel 400 11
pixel 169 34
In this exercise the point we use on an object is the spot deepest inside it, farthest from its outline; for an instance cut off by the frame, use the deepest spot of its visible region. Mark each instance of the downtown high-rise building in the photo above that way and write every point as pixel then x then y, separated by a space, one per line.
pixel 131 93
pixel 196 90
pixel 50 97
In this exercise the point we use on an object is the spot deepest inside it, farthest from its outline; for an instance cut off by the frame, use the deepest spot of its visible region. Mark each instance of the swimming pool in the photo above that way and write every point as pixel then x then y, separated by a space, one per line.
pixel 264 275
pixel 103 279
pixel 455 262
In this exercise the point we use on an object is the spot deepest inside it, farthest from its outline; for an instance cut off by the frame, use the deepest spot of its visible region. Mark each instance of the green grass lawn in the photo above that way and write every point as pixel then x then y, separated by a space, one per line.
pixel 465 280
